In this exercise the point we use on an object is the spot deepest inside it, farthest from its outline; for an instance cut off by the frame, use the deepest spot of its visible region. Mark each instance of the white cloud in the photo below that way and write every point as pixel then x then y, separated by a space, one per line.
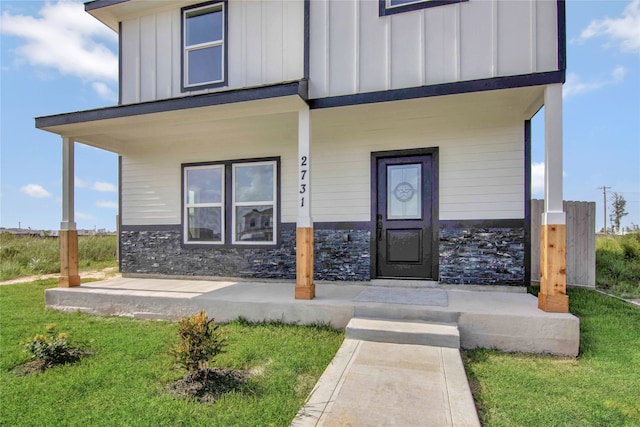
pixel 537 178
pixel 84 216
pixel 104 91
pixel 576 86
pixel 623 31
pixel 35 190
pixel 80 183
pixel 108 205
pixel 66 38
pixel 104 187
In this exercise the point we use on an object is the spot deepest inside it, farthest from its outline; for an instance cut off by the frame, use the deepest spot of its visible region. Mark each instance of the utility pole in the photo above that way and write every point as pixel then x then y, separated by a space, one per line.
pixel 604 193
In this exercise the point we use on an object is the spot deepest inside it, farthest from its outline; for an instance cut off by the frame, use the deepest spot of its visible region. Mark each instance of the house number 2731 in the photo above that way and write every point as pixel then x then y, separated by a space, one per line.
pixel 303 178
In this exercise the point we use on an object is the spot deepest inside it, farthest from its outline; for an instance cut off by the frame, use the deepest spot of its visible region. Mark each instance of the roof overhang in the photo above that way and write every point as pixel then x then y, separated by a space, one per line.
pixel 113 128
pixel 111 12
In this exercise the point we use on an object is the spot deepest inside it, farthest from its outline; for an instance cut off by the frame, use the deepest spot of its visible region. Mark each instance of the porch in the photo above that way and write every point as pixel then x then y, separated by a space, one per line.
pixel 503 318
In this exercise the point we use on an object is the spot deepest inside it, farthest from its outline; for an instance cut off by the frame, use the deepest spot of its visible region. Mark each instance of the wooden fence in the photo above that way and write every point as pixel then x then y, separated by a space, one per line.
pixel 581 242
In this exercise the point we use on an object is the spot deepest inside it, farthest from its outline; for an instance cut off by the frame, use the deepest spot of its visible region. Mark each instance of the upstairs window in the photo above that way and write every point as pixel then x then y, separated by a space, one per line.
pixel 203 39
pixel 389 7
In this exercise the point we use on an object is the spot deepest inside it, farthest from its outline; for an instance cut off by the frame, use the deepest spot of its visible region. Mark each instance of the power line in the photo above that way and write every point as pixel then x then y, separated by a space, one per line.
pixel 604 193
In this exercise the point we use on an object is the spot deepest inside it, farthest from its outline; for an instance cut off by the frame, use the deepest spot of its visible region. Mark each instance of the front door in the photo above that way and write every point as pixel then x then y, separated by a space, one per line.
pixel 404 229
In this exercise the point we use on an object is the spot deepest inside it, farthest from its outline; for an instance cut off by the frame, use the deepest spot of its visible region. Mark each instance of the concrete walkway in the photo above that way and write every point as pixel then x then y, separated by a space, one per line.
pixel 385 384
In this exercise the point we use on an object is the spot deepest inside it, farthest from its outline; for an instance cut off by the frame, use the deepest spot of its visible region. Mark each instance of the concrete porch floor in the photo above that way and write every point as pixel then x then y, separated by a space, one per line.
pixel 507 321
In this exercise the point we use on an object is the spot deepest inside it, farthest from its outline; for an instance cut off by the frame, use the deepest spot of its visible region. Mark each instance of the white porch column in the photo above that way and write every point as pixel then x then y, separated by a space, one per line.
pixel 553 277
pixel 305 288
pixel 68 234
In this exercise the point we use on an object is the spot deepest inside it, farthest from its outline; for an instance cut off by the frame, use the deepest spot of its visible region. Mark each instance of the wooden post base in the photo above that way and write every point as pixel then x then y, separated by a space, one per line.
pixel 68 259
pixel 305 289
pixel 553 271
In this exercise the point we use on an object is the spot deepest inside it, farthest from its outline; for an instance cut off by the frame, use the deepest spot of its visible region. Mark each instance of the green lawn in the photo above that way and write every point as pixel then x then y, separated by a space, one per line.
pixel 122 383
pixel 599 388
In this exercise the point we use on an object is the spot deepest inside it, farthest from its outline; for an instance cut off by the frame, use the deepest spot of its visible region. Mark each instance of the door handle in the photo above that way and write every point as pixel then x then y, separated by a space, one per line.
pixel 379 226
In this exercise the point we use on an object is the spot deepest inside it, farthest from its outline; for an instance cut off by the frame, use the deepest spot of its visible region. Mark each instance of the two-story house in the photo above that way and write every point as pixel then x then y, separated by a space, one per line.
pixel 326 139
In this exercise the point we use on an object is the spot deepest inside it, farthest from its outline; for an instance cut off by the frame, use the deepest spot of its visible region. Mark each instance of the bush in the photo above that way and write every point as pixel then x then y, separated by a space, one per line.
pixel 618 264
pixel 630 244
pixel 52 349
pixel 200 342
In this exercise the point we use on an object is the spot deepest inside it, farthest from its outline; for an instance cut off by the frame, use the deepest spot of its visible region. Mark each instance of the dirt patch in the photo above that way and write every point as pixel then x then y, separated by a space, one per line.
pixel 103 274
pixel 40 365
pixel 208 385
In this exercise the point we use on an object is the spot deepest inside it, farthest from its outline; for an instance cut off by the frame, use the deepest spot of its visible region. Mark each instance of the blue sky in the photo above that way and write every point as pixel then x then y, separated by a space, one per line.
pixel 55 58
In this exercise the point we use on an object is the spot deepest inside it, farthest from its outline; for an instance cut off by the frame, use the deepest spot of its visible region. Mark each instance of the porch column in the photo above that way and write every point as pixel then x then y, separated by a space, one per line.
pixel 68 234
pixel 305 289
pixel 553 277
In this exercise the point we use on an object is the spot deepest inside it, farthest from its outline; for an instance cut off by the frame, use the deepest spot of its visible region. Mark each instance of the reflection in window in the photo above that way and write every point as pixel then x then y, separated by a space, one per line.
pixel 254 198
pixel 204 193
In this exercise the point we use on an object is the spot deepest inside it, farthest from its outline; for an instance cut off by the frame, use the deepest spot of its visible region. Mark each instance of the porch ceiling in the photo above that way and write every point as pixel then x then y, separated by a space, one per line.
pixel 100 129
pixel 498 107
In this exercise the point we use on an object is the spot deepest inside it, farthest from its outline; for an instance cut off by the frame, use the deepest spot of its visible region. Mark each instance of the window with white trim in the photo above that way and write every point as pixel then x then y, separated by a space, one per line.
pixel 204 204
pixel 254 207
pixel 203 57
pixel 231 203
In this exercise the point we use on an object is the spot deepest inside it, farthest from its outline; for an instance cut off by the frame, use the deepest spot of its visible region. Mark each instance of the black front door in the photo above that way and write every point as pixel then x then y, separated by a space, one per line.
pixel 404 229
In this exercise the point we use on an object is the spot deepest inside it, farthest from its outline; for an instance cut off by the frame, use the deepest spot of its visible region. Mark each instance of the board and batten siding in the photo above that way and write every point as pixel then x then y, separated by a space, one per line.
pixel 481 163
pixel 353 50
pixel 265 45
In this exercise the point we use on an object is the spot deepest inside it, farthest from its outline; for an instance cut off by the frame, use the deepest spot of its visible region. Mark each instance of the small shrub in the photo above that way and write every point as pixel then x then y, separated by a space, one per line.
pixel 52 349
pixel 631 246
pixel 200 342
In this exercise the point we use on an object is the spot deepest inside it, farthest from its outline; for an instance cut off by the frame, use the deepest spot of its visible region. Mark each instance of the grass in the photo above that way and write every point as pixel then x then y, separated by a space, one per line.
pixel 122 383
pixel 618 264
pixel 26 256
pixel 599 388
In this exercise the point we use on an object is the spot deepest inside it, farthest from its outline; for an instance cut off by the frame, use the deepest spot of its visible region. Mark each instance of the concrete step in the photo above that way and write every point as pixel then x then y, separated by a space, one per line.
pixel 400 332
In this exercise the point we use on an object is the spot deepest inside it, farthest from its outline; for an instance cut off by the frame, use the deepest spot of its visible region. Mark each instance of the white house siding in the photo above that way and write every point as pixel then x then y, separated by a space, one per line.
pixel 265 45
pixel 151 173
pixel 481 158
pixel 354 50
pixel 481 165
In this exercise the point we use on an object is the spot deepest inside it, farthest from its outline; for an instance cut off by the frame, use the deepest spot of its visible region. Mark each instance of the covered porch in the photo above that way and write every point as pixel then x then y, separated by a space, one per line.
pixel 486 318
pixel 283 111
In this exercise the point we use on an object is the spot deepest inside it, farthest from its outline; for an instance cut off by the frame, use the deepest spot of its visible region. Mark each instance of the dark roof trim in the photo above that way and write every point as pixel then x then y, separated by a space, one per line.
pixel 219 98
pixel 496 83
pixel 99 4
pixel 562 36
pixel 307 36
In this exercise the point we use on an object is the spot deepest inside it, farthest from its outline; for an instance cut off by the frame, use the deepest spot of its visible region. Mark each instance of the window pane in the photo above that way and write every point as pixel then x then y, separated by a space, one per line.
pixel 254 223
pixel 204 224
pixel 401 2
pixel 205 65
pixel 203 27
pixel 254 183
pixel 204 185
pixel 403 192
